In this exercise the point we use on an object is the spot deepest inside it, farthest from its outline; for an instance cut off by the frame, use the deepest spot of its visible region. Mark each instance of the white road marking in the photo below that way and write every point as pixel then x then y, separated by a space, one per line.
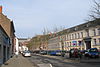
pixel 44 65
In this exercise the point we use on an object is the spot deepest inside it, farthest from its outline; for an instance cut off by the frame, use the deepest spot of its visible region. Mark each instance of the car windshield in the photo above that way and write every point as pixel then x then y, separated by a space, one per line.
pixel 93 50
pixel 26 51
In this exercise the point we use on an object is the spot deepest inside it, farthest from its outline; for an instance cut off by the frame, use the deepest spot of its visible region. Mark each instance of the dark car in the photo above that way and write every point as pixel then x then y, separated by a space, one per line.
pixel 43 52
pixel 54 52
pixel 74 53
pixel 36 51
pixel 92 53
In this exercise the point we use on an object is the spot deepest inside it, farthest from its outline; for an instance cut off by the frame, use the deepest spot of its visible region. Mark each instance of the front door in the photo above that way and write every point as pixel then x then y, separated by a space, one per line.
pixel 88 44
pixel 4 54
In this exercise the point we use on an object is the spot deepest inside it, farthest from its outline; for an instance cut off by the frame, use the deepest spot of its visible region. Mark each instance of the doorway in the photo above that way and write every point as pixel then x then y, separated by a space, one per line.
pixel 88 44
pixel 4 54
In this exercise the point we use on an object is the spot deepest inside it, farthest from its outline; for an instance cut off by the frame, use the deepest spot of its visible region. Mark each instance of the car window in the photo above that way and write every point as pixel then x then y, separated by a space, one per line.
pixel 93 50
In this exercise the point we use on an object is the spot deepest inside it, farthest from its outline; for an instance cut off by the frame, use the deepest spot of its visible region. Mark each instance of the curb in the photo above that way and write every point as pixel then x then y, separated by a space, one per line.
pixel 89 61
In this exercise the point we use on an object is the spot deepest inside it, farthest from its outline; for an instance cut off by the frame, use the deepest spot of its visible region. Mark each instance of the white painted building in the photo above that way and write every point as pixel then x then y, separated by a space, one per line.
pixel 16 46
pixel 22 44
pixel 83 36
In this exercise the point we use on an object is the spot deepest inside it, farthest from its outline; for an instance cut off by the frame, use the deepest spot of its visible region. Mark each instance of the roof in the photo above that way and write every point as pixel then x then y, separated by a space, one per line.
pixel 80 27
pixel 3 30
pixel 22 38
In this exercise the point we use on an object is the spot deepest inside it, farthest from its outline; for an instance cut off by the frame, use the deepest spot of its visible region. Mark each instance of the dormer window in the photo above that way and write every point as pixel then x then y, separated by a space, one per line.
pixel 87 25
pixel 76 28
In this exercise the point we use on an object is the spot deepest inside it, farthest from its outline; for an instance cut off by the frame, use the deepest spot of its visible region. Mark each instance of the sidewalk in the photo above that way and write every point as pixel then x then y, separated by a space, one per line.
pixel 97 60
pixel 20 61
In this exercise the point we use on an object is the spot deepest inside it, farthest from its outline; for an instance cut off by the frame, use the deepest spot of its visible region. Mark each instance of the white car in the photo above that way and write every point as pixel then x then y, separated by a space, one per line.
pixel 26 53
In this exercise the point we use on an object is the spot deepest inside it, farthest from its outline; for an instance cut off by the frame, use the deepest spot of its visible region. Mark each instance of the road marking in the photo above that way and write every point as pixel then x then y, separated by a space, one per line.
pixel 50 65
pixel 44 65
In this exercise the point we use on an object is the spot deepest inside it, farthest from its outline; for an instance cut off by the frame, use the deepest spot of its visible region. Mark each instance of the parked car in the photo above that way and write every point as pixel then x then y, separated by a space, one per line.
pixel 74 53
pixel 92 53
pixel 36 51
pixel 26 53
pixel 67 54
pixel 43 52
pixel 58 52
pixel 52 52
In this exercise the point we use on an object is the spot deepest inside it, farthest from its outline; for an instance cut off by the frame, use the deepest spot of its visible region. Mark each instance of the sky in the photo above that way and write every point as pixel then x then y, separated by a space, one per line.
pixel 30 17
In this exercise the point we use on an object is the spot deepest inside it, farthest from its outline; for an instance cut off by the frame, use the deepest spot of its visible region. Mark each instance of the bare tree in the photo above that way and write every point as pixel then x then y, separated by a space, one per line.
pixel 95 12
pixel 58 29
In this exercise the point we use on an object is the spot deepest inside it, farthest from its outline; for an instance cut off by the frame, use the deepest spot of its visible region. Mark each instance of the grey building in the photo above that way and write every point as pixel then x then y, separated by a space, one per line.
pixel 4 46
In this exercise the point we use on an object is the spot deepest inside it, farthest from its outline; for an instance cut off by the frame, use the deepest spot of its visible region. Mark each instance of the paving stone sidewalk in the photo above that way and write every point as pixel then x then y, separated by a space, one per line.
pixel 19 61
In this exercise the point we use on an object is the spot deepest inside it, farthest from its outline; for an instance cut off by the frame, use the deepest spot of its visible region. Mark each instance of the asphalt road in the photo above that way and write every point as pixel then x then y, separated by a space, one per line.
pixel 55 62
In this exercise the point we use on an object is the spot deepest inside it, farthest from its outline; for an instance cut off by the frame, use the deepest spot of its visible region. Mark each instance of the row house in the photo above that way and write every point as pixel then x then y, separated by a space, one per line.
pixel 83 36
pixel 4 46
pixel 8 27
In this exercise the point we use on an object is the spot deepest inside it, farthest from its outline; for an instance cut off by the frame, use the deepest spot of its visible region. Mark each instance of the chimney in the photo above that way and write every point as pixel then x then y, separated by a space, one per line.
pixel 0 9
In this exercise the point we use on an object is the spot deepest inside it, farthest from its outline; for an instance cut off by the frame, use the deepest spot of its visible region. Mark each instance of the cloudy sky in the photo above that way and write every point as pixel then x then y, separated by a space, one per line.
pixel 32 16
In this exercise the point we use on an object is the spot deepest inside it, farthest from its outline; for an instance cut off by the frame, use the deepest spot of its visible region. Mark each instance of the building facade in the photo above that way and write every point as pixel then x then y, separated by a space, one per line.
pixel 54 44
pixel 16 47
pixel 83 36
pixel 39 42
pixel 23 42
pixel 4 46
pixel 8 26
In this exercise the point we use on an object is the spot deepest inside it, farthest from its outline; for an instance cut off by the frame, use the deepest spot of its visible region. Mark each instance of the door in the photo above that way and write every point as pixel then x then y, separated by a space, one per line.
pixel 88 44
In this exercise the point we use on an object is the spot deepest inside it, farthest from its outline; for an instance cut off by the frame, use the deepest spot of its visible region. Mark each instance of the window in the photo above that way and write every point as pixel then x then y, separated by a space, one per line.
pixel 67 37
pixel 75 36
pixel 70 44
pixel 99 40
pixel 98 31
pixel 94 32
pixel 65 43
pixel 95 42
pixel 72 36
pixel 87 32
pixel 78 35
pixel 82 34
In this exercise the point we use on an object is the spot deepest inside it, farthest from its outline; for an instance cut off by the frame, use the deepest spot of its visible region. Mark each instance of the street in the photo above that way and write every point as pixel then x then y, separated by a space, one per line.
pixel 49 33
pixel 59 62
